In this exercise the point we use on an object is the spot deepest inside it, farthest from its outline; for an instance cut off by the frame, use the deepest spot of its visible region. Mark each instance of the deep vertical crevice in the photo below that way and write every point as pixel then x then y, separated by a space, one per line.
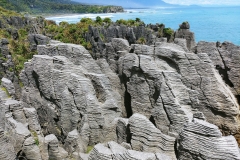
pixel 238 99
pixel 156 94
pixel 176 149
pixel 127 104
pixel 153 121
pixel 127 97
pixel 129 135
pixel 224 74
pixel 223 71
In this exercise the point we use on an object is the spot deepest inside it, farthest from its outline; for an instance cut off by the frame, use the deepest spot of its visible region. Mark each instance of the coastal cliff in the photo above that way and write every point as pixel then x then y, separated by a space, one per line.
pixel 138 92
pixel 56 7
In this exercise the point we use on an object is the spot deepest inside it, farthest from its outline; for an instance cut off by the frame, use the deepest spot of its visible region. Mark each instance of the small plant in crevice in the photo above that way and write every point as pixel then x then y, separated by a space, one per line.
pixel 35 136
pixel 141 40
pixel 6 91
pixel 89 149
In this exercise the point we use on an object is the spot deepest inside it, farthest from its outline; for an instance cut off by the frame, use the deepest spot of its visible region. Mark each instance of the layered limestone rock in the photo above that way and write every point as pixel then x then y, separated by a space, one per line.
pixel 225 58
pixel 6 147
pixel 202 140
pixel 149 139
pixel 31 150
pixel 140 96
pixel 74 92
pixel 6 83
pixel 113 151
pixel 185 33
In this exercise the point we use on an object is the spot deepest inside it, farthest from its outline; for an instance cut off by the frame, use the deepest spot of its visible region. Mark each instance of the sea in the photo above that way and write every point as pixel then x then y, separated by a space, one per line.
pixel 210 24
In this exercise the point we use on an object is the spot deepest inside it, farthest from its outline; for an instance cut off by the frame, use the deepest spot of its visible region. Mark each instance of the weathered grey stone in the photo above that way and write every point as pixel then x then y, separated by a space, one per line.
pixel 184 32
pixel 73 143
pixel 37 39
pixel 205 87
pixel 181 42
pixel 225 57
pixel 81 101
pixel 6 83
pixel 113 151
pixel 63 153
pixel 32 119
pixel 122 131
pixel 19 133
pixel 75 95
pixel 120 44
pixel 16 108
pixel 83 156
pixel 149 139
pixel 6 147
pixel 31 150
pixel 202 140
pixel 51 142
pixel 100 152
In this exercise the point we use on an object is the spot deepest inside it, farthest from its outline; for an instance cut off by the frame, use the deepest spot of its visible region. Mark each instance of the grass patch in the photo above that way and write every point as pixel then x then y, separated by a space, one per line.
pixel 35 135
pixel 89 148
pixel 6 91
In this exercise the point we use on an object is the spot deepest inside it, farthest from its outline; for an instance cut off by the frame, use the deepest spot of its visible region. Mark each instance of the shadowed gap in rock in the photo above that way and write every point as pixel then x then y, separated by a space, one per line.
pixel 153 121
pixel 156 94
pixel 127 104
pixel 129 135
pixel 20 156
pixel 238 99
pixel 170 62
pixel 224 74
pixel 176 148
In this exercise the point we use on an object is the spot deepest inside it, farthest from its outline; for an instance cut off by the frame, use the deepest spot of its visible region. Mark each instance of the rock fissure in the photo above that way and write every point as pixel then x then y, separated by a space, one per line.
pixel 169 119
pixel 224 71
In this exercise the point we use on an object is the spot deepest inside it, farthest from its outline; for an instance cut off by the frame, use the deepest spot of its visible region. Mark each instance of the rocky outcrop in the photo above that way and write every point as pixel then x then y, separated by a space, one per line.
pixel 113 151
pixel 149 139
pixel 37 39
pixel 77 95
pixel 6 147
pixel 129 101
pixel 113 9
pixel 185 33
pixel 202 140
pixel 6 83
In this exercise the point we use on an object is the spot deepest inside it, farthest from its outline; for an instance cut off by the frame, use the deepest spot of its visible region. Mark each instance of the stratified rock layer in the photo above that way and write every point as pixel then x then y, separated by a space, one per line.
pixel 202 140
pixel 147 138
pixel 74 92
pixel 140 96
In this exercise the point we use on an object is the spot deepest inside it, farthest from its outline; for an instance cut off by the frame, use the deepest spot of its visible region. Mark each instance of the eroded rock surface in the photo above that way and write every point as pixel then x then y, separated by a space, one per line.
pixel 202 140
pixel 129 101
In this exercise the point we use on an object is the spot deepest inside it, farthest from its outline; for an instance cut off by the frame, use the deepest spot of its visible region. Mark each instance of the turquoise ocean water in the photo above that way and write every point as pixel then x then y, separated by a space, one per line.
pixel 208 23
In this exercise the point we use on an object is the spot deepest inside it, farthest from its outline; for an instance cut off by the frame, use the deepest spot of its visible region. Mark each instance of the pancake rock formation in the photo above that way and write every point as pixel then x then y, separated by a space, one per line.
pixel 162 101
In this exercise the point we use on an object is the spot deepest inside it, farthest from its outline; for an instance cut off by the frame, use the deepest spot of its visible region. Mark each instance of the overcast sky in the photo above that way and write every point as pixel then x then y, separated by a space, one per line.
pixel 204 2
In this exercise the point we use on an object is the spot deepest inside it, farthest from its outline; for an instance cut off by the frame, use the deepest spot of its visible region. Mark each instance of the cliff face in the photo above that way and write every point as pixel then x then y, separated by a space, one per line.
pixel 158 100
pixel 56 6
pixel 113 9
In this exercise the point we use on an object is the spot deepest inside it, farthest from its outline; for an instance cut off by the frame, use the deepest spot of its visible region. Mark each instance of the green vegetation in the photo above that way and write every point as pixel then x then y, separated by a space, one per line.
pixel 51 6
pixel 169 33
pixel 89 149
pixel 35 137
pixel 5 12
pixel 130 22
pixel 19 48
pixel 6 91
pixel 64 32
pixel 107 20
pixel 99 20
pixel 71 33
pixel 141 40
